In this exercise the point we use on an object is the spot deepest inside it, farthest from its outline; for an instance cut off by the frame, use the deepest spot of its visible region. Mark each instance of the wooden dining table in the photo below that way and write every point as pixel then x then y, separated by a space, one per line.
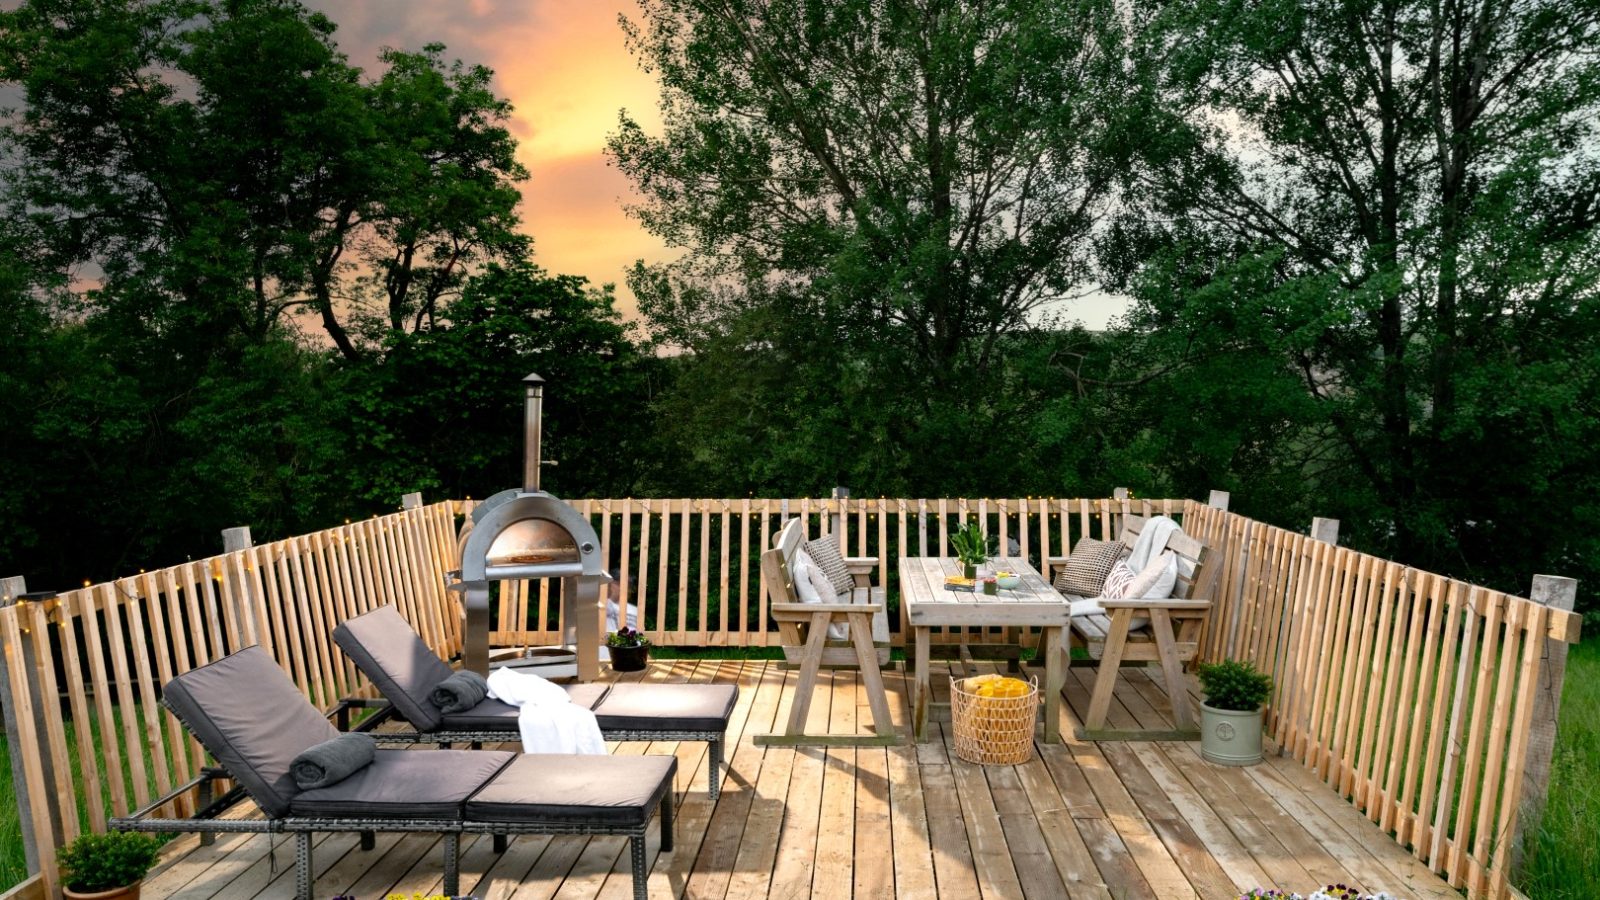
pixel 929 603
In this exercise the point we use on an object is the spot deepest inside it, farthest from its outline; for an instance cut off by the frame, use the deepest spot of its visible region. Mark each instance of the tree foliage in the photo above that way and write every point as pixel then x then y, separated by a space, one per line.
pixel 225 167
pixel 243 281
pixel 1394 203
pixel 185 179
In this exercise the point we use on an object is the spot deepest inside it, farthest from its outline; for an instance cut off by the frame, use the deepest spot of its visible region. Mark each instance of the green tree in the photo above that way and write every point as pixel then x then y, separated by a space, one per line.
pixel 442 409
pixel 1395 202
pixel 875 195
pixel 224 165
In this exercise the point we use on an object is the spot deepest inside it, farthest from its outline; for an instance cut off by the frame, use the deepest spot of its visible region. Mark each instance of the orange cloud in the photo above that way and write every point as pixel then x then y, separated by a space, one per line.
pixel 564 66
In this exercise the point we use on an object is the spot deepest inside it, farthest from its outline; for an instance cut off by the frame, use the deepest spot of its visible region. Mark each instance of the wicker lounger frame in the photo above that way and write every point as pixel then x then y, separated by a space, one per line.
pixel 208 822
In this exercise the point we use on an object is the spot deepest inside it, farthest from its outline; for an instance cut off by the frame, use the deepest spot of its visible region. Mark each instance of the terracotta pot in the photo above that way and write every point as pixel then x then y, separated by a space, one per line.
pixel 130 892
pixel 629 659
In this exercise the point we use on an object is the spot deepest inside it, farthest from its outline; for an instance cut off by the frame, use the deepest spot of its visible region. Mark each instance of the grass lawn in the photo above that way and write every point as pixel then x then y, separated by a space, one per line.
pixel 1562 864
pixel 1564 859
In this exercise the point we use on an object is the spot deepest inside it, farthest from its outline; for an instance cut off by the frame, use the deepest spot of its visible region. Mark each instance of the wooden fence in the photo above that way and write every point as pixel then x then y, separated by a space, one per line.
pixel 1414 696
pixel 1427 702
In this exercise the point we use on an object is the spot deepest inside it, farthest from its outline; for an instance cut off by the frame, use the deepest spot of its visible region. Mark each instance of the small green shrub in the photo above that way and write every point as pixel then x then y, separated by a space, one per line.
pixel 1234 685
pixel 100 862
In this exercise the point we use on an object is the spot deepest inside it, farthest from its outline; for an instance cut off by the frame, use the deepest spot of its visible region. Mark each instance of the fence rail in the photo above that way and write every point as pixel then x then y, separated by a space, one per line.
pixel 1412 695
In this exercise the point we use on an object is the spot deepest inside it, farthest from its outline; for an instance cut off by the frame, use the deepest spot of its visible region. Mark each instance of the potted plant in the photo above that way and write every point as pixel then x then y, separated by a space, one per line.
pixel 107 866
pixel 1230 717
pixel 971 546
pixel 630 649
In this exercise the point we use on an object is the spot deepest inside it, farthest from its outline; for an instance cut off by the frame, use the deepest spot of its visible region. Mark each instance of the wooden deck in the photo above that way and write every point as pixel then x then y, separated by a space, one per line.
pixel 1117 820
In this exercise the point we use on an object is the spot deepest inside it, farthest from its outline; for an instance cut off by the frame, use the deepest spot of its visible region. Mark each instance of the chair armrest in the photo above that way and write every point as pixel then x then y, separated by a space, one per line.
pixel 1056 560
pixel 1153 604
pixel 809 608
pixel 860 569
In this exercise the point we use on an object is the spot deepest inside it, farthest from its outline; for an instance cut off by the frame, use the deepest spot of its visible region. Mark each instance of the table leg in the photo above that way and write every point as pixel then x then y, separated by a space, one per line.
pixel 1055 672
pixel 920 687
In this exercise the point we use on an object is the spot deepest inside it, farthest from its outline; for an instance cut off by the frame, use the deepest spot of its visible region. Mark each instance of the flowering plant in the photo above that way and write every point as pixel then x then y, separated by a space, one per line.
pixel 1330 892
pixel 627 637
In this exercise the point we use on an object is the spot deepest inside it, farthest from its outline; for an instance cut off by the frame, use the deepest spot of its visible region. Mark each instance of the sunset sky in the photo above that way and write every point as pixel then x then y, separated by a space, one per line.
pixel 564 66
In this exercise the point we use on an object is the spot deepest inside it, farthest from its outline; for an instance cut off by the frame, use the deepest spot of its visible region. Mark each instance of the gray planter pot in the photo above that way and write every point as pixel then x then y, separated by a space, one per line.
pixel 1230 738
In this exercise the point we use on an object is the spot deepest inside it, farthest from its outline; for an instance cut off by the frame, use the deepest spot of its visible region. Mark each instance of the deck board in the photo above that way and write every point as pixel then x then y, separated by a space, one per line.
pixel 1079 819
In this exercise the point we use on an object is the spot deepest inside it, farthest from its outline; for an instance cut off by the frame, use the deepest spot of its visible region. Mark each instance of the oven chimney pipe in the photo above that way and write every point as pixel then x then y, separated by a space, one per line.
pixel 533 426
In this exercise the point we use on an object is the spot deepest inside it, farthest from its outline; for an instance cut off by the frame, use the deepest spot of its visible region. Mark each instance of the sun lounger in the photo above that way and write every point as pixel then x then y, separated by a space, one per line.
pixel 252 719
pixel 386 648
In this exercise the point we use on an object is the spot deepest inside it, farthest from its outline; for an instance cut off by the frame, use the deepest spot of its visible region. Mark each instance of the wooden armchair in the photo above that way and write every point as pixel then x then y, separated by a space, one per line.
pixel 1117 637
pixel 803 628
pixel 794 629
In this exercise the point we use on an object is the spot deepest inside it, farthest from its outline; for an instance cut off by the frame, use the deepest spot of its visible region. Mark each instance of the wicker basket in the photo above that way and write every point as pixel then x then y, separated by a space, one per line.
pixel 993 730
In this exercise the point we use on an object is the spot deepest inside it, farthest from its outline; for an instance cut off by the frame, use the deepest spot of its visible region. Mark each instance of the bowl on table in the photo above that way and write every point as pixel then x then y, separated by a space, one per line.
pixel 1007 580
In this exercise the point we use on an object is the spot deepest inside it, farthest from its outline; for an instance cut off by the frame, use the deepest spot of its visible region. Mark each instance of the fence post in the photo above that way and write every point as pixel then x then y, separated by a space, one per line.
pixel 1219 500
pixel 1561 593
pixel 10 589
pixel 242 590
pixel 412 500
pixel 1326 531
pixel 835 518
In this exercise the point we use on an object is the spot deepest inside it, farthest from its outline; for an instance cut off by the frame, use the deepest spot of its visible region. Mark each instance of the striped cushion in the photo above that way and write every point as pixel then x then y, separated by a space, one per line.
pixel 825 553
pixel 1116 586
pixel 1086 569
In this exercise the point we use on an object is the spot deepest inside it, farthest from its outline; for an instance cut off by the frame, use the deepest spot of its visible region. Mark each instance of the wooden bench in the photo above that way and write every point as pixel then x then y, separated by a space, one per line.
pixel 803 628
pixel 1112 639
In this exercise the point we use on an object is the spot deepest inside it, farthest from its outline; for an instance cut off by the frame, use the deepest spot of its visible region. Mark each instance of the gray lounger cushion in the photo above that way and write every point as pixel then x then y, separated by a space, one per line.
pixel 685 707
pixel 250 716
pixel 406 784
pixel 383 645
pixel 613 790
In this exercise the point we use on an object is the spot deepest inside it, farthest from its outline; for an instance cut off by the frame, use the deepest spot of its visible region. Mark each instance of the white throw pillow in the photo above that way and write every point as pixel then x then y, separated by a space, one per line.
pixel 823 584
pixel 811 585
pixel 1157 580
pixel 800 572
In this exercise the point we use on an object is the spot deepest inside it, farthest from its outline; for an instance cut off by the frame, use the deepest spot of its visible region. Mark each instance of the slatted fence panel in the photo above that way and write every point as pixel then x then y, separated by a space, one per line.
pixel 84 668
pixel 1409 693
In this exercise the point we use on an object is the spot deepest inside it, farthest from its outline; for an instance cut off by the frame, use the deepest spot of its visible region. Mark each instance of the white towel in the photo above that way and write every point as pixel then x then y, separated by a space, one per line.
pixel 1152 540
pixel 547 718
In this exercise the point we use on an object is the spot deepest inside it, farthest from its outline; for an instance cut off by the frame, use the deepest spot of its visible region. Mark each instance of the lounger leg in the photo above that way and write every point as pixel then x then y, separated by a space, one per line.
pixel 452 863
pixel 667 815
pixel 716 768
pixel 302 865
pixel 207 838
pixel 369 840
pixel 500 843
pixel 641 876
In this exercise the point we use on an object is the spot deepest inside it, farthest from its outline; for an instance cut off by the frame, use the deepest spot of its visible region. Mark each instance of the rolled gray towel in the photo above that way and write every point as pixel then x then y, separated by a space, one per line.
pixel 460 692
pixel 333 761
